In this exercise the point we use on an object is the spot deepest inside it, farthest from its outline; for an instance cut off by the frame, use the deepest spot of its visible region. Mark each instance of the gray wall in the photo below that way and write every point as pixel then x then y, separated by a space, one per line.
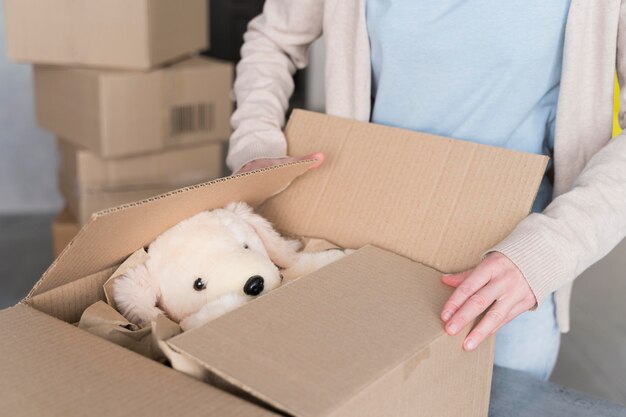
pixel 27 154
pixel 593 354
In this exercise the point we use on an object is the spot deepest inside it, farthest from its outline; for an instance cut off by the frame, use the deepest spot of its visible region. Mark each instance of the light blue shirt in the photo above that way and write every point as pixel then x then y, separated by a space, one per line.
pixel 486 71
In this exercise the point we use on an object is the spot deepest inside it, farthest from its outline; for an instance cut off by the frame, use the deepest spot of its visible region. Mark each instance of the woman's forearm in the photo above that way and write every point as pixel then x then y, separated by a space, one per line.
pixel 275 46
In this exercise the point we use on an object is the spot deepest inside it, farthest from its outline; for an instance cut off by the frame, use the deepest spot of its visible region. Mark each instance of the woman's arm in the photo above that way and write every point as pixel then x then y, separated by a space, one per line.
pixel 275 45
pixel 548 250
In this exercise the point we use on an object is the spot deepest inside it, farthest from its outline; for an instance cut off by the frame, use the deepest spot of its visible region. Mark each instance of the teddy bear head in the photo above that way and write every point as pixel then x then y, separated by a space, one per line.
pixel 212 254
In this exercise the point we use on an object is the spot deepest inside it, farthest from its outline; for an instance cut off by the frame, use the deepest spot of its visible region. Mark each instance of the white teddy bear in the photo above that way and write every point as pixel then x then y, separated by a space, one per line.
pixel 210 264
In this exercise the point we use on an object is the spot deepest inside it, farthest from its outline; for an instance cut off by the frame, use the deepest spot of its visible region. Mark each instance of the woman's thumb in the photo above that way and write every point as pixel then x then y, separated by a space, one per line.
pixel 318 156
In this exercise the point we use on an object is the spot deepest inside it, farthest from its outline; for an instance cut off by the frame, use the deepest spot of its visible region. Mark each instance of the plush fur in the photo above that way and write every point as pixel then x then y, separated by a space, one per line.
pixel 224 248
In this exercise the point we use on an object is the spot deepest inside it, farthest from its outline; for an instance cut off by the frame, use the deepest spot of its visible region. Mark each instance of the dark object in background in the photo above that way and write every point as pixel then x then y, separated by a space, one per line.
pixel 228 21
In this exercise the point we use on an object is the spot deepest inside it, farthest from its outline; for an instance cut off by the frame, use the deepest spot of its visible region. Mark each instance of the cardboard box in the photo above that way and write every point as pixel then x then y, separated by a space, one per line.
pixel 137 34
pixel 82 204
pixel 91 184
pixel 121 113
pixel 64 228
pixel 360 337
pixel 176 167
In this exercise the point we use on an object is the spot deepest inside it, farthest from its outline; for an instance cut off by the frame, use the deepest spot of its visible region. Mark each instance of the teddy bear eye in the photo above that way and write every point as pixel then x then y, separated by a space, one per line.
pixel 245 246
pixel 199 284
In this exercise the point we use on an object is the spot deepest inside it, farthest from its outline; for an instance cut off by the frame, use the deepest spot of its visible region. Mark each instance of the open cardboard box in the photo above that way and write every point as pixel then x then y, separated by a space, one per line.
pixel 360 337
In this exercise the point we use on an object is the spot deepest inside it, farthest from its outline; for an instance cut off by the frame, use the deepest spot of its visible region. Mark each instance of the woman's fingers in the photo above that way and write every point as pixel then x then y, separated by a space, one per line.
pixel 473 282
pixel 454 280
pixel 497 286
pixel 268 162
pixel 495 317
pixel 475 305
pixel 318 156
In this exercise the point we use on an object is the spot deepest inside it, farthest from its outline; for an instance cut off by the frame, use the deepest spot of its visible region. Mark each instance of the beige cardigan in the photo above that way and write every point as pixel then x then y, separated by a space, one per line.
pixel 587 217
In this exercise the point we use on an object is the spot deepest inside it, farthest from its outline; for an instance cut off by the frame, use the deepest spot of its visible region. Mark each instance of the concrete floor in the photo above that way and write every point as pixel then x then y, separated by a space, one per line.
pixel 593 355
pixel 25 253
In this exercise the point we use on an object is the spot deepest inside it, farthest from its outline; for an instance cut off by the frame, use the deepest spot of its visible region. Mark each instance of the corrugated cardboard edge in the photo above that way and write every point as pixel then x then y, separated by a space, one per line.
pixel 182 190
pixel 194 363
pixel 305 164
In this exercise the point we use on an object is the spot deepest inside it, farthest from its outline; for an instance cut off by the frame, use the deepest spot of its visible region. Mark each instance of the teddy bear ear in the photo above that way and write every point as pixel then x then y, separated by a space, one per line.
pixel 282 251
pixel 136 294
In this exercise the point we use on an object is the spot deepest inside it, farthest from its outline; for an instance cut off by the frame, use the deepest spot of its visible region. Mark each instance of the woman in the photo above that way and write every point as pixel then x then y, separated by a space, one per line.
pixel 526 75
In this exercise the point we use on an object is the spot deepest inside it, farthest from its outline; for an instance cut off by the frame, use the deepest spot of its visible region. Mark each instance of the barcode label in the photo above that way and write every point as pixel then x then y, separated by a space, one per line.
pixel 192 118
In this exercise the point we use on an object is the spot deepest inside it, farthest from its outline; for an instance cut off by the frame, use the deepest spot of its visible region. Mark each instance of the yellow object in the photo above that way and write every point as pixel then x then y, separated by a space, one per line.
pixel 616 127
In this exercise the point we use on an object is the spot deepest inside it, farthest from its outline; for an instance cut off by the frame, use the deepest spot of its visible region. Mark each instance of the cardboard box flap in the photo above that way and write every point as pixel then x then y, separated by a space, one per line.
pixel 311 345
pixel 114 234
pixel 439 201
pixel 50 367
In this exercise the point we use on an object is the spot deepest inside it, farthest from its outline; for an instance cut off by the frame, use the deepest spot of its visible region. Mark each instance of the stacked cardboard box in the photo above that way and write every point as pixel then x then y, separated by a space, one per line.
pixel 135 112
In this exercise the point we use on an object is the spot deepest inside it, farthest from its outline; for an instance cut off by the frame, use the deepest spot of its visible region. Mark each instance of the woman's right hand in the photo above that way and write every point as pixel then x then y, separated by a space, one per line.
pixel 268 162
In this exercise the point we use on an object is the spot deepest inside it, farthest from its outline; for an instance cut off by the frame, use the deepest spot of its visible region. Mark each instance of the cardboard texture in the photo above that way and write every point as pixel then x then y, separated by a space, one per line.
pixel 178 166
pixel 64 228
pixel 91 184
pixel 360 337
pixel 137 34
pixel 104 321
pixel 437 201
pixel 82 204
pixel 51 368
pixel 68 302
pixel 164 329
pixel 120 113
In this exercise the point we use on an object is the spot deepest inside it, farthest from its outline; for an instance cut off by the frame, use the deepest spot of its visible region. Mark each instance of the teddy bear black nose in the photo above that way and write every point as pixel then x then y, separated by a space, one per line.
pixel 254 285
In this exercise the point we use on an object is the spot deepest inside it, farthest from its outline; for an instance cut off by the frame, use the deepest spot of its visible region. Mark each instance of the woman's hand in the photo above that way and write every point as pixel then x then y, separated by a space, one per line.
pixel 495 284
pixel 268 162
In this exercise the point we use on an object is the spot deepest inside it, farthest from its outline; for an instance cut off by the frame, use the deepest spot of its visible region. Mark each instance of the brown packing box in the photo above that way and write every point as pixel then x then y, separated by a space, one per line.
pixel 64 228
pixel 83 204
pixel 91 184
pixel 137 34
pixel 120 113
pixel 361 337
pixel 178 167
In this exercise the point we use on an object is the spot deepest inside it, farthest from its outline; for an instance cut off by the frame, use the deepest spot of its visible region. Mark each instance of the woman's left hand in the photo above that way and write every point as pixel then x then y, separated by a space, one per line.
pixel 495 285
